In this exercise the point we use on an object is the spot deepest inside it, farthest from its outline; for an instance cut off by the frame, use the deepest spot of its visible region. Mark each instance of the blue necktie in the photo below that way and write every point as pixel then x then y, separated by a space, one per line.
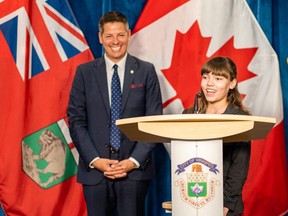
pixel 116 98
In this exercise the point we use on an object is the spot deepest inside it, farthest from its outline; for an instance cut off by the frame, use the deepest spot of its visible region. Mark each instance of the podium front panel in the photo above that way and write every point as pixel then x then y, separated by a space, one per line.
pixel 197 177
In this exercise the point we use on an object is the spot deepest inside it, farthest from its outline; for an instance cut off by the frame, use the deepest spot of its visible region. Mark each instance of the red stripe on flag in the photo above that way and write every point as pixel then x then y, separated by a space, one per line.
pixel 65 25
pixel 267 178
pixel 27 54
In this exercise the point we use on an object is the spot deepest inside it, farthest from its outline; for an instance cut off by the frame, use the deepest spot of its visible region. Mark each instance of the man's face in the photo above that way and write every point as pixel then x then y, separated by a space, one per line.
pixel 115 38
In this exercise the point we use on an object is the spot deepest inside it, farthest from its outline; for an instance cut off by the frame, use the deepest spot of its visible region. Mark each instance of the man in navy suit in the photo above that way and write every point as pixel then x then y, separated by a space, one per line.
pixel 115 181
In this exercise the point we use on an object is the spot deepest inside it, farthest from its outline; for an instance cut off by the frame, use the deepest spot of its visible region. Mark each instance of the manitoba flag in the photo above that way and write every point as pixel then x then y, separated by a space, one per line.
pixel 41 45
pixel 179 37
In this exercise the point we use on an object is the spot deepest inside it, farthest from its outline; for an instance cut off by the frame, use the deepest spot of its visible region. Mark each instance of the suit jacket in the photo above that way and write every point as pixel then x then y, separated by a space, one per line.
pixel 89 115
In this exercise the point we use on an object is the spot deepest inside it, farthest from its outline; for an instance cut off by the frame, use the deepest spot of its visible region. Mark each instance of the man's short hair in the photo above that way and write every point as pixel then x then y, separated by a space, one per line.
pixel 112 16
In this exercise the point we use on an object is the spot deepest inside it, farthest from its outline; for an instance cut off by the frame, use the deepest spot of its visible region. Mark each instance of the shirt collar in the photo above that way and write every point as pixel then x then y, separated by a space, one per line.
pixel 110 64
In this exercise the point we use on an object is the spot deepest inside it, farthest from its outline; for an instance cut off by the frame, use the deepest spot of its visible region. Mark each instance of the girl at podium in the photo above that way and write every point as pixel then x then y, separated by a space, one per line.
pixel 220 95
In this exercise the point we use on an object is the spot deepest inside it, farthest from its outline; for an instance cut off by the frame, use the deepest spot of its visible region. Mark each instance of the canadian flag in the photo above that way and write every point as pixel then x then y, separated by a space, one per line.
pixel 179 37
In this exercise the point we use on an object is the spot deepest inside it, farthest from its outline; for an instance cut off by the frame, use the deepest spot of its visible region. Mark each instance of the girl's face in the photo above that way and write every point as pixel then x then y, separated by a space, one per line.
pixel 216 88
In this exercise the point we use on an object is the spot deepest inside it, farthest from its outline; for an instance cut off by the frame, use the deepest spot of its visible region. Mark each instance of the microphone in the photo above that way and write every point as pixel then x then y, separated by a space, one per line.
pixel 195 107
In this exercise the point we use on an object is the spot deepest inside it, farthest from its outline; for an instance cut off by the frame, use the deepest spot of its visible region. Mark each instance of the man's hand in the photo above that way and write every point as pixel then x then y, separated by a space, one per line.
pixel 112 168
pixel 106 166
pixel 120 169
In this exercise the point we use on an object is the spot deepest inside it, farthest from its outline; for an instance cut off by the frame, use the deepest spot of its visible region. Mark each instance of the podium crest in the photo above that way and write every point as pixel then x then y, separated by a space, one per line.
pixel 200 187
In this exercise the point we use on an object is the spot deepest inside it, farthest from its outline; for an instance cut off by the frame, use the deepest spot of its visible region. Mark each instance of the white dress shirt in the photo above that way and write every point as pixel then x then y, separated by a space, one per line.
pixel 121 73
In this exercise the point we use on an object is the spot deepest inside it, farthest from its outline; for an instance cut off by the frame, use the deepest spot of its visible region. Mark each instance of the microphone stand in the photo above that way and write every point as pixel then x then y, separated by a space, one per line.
pixel 195 107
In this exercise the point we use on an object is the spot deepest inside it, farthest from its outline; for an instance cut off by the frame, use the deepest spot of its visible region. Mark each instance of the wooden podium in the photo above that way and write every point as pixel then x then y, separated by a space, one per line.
pixel 196 153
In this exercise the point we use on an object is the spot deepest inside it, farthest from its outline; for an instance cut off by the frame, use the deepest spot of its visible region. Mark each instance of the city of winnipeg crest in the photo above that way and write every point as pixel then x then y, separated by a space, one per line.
pixel 46 156
pixel 199 186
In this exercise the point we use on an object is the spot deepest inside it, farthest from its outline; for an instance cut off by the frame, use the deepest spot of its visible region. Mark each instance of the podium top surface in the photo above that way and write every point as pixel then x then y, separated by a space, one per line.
pixel 164 128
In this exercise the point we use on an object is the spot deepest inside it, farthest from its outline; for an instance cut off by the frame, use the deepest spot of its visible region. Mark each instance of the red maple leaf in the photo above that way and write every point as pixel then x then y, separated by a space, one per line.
pixel 189 55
